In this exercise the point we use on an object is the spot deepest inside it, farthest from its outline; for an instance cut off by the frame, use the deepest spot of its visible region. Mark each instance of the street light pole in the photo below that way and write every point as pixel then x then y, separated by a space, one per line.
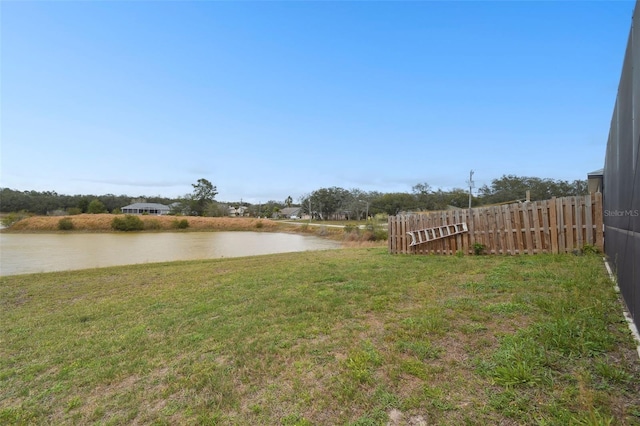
pixel 470 187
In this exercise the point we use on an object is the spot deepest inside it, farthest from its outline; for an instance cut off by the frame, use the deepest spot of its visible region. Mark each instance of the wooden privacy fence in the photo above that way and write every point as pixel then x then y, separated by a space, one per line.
pixel 559 225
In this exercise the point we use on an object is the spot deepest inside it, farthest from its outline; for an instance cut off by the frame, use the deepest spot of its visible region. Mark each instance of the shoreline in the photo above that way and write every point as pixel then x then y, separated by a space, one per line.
pixel 101 223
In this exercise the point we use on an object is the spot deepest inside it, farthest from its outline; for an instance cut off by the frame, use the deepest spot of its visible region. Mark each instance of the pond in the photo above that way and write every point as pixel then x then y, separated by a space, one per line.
pixel 31 253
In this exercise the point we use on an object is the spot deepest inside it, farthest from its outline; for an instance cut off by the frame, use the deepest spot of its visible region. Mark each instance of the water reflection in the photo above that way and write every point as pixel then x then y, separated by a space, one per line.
pixel 29 253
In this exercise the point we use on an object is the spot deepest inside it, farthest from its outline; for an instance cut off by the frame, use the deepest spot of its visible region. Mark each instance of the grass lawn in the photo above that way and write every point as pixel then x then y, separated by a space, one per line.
pixel 342 337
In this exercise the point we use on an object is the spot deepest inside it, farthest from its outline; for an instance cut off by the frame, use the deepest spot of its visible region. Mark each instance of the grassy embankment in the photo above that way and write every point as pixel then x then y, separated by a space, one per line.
pixel 347 232
pixel 354 336
pixel 102 223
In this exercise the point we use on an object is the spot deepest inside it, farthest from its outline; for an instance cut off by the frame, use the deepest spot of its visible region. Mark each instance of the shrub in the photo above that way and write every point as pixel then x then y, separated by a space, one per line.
pixel 351 236
pixel 152 224
pixel 368 236
pixel 14 217
pixel 74 211
pixel 350 228
pixel 590 249
pixel 259 224
pixel 478 248
pixel 381 217
pixel 127 223
pixel 180 224
pixel 95 207
pixel 65 224
pixel 381 235
pixel 376 233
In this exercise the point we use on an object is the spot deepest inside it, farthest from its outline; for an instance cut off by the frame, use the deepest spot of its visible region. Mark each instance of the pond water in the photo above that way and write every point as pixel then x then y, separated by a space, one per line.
pixel 31 253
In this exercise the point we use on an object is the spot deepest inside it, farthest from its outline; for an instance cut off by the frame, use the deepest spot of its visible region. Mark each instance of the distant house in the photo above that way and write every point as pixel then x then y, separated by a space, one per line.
pixel 594 181
pixel 238 211
pixel 291 212
pixel 146 208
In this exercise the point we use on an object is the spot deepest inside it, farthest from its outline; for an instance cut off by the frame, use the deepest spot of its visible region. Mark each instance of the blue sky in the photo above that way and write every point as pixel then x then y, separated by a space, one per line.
pixel 275 99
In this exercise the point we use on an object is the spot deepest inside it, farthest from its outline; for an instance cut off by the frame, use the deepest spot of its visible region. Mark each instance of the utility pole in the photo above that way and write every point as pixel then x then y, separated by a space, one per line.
pixel 471 186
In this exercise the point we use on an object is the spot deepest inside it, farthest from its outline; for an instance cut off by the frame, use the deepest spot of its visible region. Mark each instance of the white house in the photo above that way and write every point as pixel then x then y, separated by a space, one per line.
pixel 146 208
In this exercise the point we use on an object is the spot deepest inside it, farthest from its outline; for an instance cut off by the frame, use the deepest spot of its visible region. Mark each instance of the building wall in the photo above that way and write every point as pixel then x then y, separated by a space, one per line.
pixel 622 177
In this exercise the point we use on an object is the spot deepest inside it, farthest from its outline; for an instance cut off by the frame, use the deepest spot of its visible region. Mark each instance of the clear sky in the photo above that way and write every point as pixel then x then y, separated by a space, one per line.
pixel 274 99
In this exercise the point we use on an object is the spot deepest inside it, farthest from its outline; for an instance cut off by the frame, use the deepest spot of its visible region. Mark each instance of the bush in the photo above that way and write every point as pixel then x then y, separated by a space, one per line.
pixel 380 235
pixel 65 224
pixel 127 223
pixel 259 224
pixel 478 248
pixel 351 236
pixel 152 224
pixel 180 224
pixel 376 233
pixel 74 211
pixel 590 249
pixel 350 228
pixel 14 217
pixel 371 232
pixel 95 207
pixel 381 217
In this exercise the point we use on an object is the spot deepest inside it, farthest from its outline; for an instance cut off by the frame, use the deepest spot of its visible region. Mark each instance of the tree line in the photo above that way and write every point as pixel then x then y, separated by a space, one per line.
pixel 328 203
pixel 323 203
pixel 50 202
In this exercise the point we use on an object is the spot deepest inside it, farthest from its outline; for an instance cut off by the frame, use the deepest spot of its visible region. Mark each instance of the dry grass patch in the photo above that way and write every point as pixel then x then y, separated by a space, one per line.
pixel 102 222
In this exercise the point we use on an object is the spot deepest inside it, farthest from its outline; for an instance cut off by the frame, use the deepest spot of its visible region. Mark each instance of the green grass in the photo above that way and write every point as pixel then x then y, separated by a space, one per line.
pixel 338 337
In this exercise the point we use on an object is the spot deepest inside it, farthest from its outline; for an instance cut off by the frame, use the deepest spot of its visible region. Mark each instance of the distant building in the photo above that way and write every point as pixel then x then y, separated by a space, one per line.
pixel 238 211
pixel 594 181
pixel 146 208
pixel 291 213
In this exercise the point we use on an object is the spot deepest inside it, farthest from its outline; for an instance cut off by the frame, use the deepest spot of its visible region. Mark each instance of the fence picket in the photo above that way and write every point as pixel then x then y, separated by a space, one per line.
pixel 561 225
pixel 508 230
pixel 553 225
pixel 588 220
pixel 537 248
pixel 545 227
pixel 527 227
pixel 579 229
pixel 568 215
